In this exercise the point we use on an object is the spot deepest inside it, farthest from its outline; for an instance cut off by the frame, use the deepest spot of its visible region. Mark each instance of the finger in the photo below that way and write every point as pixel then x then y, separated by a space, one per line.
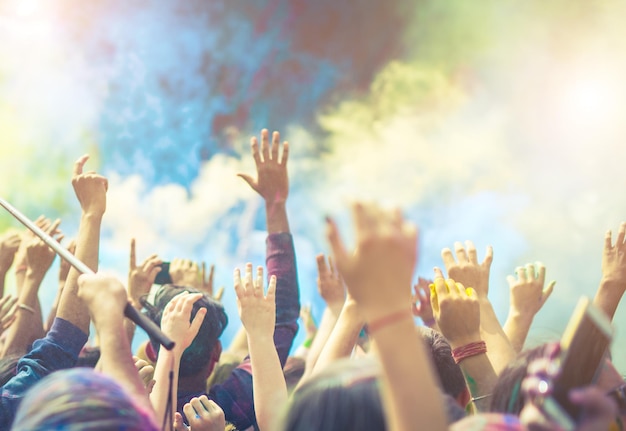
pixel 607 240
pixel 438 272
pixel 521 274
pixel 541 272
pixel 547 292
pixel 179 425
pixel 265 145
pixel 511 280
pixel 285 157
pixel 258 285
pixel 133 255
pixel 459 250
pixel 190 412
pixel 530 272
pixel 197 321
pixel 247 280
pixel 220 294
pixel 363 221
pixel 205 403
pixel 248 179
pixel 488 257
pixel 452 288
pixel 471 252
pixel 211 275
pixel 322 269
pixel 4 300
pixel 254 147
pixel 271 289
pixel 337 246
pixel 53 226
pixel 447 257
pixel 78 165
pixel 239 289
pixel 331 267
pixel 10 306
pixel 621 234
pixel 275 146
pixel 441 289
pixel 460 289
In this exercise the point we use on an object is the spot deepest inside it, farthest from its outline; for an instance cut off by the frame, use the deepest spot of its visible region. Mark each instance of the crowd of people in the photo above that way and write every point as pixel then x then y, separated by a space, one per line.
pixel 389 353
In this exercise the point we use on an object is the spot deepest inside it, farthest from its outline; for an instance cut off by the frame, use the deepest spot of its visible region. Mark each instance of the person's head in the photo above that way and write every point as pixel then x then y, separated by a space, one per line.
pixel 293 371
pixel 448 371
pixel 507 396
pixel 204 351
pixel 344 396
pixel 80 399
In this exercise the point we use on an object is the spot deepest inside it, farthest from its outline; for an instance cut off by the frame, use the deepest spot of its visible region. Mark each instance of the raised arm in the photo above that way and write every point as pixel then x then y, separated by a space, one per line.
pixel 90 189
pixel 272 182
pixel 527 297
pixel 176 324
pixel 613 282
pixel 457 312
pixel 466 270
pixel 258 315
pixel 105 298
pixel 28 325
pixel 378 276
pixel 64 269
pixel 421 303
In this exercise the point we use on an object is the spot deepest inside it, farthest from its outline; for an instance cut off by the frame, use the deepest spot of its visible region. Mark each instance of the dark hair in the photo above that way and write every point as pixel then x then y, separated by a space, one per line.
pixel 293 371
pixel 80 399
pixel 344 396
pixel 449 372
pixel 506 395
pixel 88 357
pixel 198 354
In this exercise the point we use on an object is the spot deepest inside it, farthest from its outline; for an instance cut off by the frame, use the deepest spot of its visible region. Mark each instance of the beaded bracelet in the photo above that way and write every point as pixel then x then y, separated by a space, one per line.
pixel 471 349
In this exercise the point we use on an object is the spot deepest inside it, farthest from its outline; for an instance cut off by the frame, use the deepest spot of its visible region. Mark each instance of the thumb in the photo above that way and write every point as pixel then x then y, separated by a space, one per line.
pixel 197 320
pixel 248 179
pixel 548 291
pixel 179 425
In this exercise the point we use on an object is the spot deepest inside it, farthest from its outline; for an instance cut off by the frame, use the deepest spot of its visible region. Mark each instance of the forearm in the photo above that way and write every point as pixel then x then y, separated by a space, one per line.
pixel 28 324
pixel 276 216
pixel 410 406
pixel 608 296
pixel 71 308
pixel 167 362
pixel 268 381
pixel 499 349
pixel 516 329
pixel 116 359
pixel 342 339
pixel 480 378
pixel 329 319
pixel 53 309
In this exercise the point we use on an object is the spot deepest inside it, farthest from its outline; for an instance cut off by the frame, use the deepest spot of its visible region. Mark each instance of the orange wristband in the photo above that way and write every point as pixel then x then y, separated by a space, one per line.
pixel 388 320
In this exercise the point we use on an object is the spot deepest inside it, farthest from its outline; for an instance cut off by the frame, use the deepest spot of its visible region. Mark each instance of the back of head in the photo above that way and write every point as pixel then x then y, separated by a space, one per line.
pixel 343 397
pixel 506 395
pixel 449 372
pixel 80 399
pixel 198 354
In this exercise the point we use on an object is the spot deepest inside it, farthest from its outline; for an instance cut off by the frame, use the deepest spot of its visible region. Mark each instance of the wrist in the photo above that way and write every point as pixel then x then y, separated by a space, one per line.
pixel 459 342
pixel 612 286
pixel 520 317
pixel 468 350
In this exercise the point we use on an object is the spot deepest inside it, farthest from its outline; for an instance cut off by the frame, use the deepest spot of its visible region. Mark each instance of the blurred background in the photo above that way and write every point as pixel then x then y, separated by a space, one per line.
pixel 493 120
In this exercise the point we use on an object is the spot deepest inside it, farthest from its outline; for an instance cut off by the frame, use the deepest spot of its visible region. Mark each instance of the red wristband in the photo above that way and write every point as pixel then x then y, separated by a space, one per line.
pixel 388 320
pixel 471 349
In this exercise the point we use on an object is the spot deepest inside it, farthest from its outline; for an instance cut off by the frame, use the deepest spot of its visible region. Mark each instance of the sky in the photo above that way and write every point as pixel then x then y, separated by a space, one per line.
pixel 493 121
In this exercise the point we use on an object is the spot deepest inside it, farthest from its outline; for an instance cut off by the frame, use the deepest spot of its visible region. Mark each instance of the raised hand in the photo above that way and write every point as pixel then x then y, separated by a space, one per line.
pixel 527 290
pixel 206 284
pixel 613 282
pixel 90 188
pixel 309 323
pixel 456 310
pixel 378 273
pixel 272 182
pixel 466 269
pixel 21 260
pixel 176 318
pixel 141 278
pixel 203 414
pixel 329 283
pixel 256 309
pixel 104 296
pixel 421 302
pixel 185 272
pixel 39 255
pixel 146 373
pixel 9 243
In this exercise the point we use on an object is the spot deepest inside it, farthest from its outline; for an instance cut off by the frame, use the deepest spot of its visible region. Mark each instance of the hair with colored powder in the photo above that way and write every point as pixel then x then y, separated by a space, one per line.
pixel 80 399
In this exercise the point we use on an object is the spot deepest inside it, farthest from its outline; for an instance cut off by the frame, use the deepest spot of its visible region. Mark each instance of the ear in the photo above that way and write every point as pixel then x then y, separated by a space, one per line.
pixel 464 397
pixel 215 357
